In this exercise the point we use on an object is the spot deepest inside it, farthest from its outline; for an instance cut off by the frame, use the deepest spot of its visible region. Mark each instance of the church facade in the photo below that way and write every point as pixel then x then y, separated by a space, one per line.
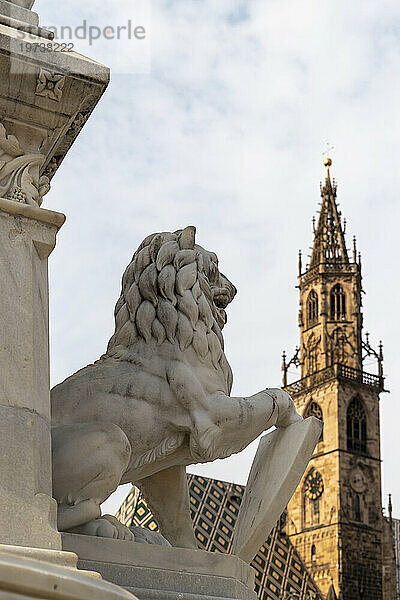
pixel 335 516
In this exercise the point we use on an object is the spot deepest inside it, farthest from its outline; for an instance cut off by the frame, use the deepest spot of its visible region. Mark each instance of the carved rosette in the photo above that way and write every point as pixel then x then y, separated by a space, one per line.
pixel 20 178
pixel 50 85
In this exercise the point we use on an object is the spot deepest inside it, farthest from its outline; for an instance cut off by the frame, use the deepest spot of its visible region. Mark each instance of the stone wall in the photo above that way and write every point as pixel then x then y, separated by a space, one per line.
pixel 339 536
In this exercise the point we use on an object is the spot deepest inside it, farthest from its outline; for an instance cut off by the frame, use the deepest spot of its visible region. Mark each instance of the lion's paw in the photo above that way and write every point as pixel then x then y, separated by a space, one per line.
pixel 287 413
pixel 145 536
pixel 106 526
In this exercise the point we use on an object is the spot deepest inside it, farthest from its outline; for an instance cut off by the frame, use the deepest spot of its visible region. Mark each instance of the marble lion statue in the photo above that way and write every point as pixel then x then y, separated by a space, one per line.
pixel 159 398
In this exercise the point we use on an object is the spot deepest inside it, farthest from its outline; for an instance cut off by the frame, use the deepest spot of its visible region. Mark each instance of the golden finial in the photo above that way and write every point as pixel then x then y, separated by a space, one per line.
pixel 328 161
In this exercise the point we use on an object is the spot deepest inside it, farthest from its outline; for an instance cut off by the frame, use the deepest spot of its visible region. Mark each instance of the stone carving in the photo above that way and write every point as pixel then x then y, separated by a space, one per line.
pixel 75 126
pixel 278 467
pixel 52 167
pixel 20 178
pixel 158 399
pixel 50 85
pixel 341 349
pixel 359 502
pixel 358 482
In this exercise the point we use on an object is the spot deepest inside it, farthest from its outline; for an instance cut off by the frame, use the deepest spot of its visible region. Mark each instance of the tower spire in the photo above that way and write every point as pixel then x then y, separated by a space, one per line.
pixel 333 387
pixel 329 246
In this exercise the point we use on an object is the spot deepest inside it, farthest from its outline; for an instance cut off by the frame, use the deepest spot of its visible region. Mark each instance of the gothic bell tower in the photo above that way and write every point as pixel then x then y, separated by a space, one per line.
pixel 334 518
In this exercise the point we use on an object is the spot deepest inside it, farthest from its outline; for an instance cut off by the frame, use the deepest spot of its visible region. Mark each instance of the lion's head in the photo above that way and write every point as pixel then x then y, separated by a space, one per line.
pixel 173 292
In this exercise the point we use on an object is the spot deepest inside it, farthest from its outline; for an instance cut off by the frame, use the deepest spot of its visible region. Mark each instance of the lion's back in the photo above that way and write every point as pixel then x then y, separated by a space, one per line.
pixel 106 389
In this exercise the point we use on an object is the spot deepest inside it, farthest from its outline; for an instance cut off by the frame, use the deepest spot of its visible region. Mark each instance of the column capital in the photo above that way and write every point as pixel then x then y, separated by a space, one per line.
pixel 42 224
pixel 41 118
pixel 43 215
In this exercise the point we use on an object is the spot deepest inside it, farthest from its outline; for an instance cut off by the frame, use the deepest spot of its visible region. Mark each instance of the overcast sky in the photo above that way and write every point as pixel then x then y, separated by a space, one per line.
pixel 218 118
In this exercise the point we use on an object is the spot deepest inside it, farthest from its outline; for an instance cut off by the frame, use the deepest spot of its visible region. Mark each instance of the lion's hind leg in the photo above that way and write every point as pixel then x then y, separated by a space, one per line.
pixel 167 494
pixel 89 460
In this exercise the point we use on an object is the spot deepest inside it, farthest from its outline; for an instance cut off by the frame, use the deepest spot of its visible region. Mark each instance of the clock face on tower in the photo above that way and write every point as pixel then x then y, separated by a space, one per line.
pixel 314 486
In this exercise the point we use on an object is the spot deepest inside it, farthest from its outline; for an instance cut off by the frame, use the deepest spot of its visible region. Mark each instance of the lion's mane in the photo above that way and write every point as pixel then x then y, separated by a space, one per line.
pixel 167 297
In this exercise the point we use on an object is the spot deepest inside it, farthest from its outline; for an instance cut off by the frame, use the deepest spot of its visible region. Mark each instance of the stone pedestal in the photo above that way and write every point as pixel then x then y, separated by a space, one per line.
pixel 28 512
pixel 37 575
pixel 163 573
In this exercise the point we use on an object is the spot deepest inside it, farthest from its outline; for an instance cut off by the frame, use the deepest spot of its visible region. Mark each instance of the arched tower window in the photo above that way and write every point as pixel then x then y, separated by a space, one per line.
pixel 314 410
pixel 312 354
pixel 339 345
pixel 357 508
pixel 338 303
pixel 356 427
pixel 313 553
pixel 312 308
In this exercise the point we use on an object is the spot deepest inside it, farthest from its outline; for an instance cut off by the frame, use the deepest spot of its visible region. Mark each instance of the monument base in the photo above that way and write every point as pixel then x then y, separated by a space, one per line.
pixel 34 574
pixel 163 573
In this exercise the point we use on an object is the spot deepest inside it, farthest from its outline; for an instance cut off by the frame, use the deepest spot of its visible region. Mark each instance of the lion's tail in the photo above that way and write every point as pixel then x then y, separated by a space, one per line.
pixel 165 448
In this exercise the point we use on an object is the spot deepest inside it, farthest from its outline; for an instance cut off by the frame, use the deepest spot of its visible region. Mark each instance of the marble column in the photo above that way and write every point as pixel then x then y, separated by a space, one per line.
pixel 45 100
pixel 28 512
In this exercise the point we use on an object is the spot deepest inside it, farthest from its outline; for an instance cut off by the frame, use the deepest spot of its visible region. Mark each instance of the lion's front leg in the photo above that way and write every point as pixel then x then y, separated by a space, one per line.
pixel 241 420
pixel 198 406
pixel 167 494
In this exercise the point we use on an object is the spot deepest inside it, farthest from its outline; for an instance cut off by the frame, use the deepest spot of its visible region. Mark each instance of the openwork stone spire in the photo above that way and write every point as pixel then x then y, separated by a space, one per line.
pixel 329 243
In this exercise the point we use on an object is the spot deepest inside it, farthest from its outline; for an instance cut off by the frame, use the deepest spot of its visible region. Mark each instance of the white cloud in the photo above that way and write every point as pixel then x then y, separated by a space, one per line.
pixel 226 132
